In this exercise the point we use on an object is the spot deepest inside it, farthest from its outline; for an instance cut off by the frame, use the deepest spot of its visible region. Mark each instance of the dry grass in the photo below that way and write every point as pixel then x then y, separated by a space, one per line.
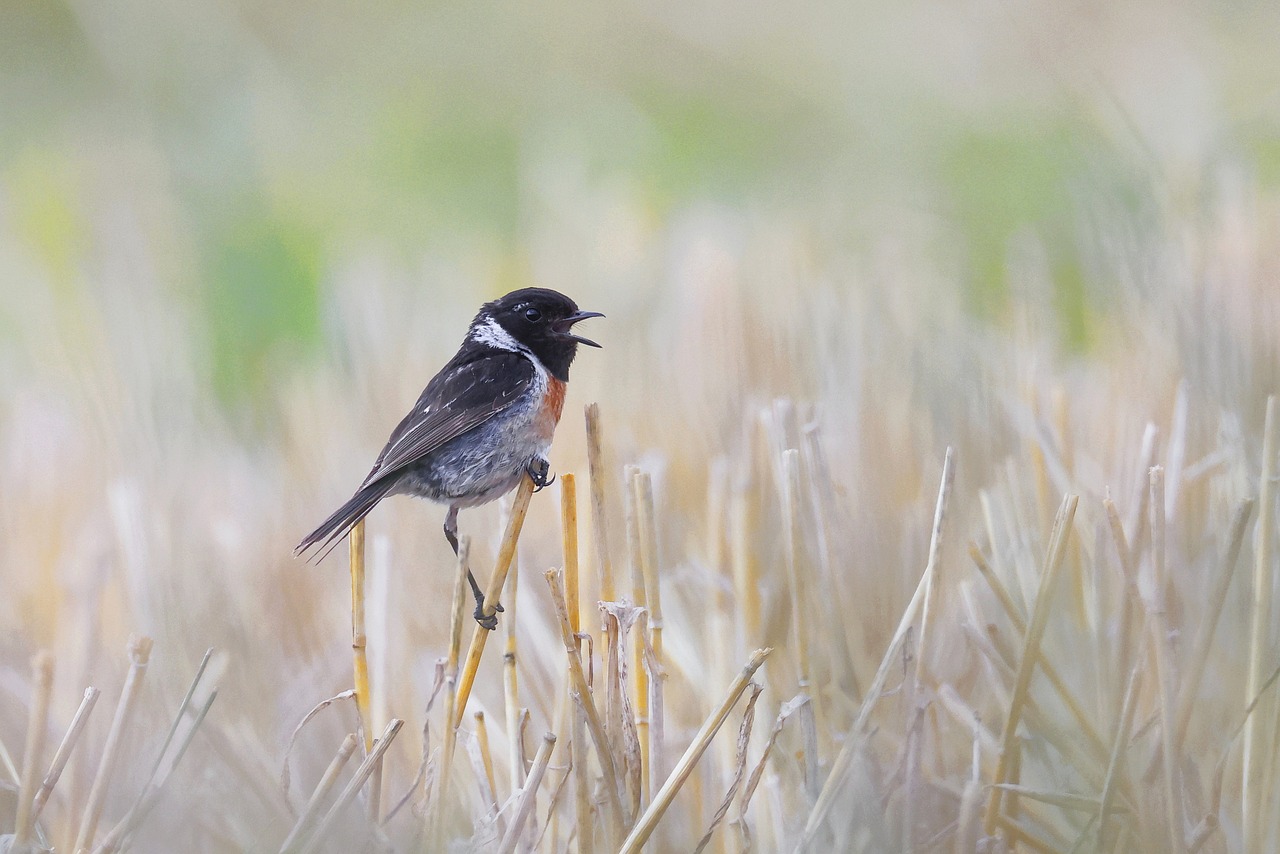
pixel 849 470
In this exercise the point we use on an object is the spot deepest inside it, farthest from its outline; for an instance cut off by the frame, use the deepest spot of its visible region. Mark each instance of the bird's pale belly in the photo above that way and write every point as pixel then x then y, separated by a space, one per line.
pixel 487 462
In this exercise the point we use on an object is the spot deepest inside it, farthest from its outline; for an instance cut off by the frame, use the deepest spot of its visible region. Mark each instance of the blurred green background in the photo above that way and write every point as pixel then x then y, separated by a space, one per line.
pixel 251 147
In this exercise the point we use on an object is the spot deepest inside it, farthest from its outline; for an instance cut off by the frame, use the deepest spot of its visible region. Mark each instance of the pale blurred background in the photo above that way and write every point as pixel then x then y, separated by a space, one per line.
pixel 237 238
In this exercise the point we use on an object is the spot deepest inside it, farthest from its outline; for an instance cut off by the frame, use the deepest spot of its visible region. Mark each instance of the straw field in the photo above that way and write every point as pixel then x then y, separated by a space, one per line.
pixel 923 496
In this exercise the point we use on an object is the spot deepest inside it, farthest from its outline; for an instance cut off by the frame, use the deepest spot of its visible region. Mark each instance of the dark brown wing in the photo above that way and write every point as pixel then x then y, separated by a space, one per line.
pixel 469 391
pixel 460 398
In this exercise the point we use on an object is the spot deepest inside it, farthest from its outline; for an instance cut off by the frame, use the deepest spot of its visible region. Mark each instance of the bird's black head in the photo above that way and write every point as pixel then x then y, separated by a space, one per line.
pixel 537 319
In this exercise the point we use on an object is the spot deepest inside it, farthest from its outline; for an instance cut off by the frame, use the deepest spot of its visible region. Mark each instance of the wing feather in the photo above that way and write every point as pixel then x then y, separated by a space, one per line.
pixel 460 398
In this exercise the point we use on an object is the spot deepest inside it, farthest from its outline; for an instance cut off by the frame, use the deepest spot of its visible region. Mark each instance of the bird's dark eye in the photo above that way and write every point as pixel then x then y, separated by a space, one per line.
pixel 532 315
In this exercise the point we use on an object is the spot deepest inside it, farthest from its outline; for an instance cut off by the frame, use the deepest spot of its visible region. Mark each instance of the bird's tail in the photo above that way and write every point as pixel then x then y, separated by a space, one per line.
pixel 340 523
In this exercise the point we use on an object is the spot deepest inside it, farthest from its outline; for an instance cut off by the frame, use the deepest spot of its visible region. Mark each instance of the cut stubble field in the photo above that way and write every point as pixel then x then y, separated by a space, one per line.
pixel 823 569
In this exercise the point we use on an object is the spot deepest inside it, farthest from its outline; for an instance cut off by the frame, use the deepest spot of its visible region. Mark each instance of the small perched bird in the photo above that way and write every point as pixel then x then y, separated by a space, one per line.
pixel 481 423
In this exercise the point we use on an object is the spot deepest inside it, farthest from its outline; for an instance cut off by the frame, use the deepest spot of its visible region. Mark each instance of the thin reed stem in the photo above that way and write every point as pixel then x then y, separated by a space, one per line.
pixel 1257 752
pixel 63 753
pixel 318 795
pixel 662 799
pixel 511 685
pixel 353 787
pixel 359 639
pixel 599 518
pixel 844 760
pixel 32 756
pixel 1203 643
pixel 486 759
pixel 569 546
pixel 1157 610
pixel 433 838
pixel 1031 652
pixel 582 696
pixel 528 796
pixel 506 553
pixel 1119 744
pixel 582 777
pixel 928 609
pixel 653 661
pixel 639 593
pixel 139 656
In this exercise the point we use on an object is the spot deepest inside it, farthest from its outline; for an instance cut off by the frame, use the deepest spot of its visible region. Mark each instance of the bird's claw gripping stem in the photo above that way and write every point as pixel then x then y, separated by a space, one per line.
pixel 487 621
pixel 537 471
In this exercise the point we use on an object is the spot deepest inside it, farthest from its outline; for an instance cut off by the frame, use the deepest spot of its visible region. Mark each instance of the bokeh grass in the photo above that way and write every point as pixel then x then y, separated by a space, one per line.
pixel 236 240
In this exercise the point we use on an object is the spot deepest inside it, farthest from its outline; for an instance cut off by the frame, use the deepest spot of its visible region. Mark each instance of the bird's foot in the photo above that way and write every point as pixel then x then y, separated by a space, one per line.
pixel 487 621
pixel 538 473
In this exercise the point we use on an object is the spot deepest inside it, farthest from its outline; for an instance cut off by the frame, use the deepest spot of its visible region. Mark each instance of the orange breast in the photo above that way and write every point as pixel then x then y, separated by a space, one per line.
pixel 552 406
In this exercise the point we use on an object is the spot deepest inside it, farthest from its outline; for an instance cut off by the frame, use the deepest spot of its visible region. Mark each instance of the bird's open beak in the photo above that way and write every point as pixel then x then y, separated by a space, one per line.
pixel 563 327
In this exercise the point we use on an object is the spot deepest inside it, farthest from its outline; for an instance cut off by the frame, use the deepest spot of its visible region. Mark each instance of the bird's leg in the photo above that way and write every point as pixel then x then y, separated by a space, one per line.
pixel 451 527
pixel 488 621
pixel 537 471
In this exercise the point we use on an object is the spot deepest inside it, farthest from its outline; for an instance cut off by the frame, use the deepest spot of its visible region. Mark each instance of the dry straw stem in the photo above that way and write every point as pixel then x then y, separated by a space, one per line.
pixel 644 828
pixel 801 617
pixel 599 521
pixel 931 567
pixel 799 604
pixel 1138 520
pixel 424 780
pixel 357 782
pixel 359 640
pixel 576 742
pixel 37 724
pixel 551 829
pixel 150 793
pixel 511 686
pixel 569 531
pixel 433 840
pixel 139 656
pixel 581 776
pixel 657 724
pixel 180 714
pixel 1061 800
pixel 528 797
pixel 640 596
pixel 1203 643
pixel 615 714
pixel 15 776
pixel 506 553
pixel 1072 749
pixel 1119 744
pixel 1031 651
pixel 285 774
pixel 965 838
pixel 1124 655
pixel 115 840
pixel 844 760
pixel 621 618
pixel 1256 751
pixel 582 696
pixel 739 766
pixel 63 753
pixel 1051 673
pixel 489 781
pixel 477 758
pixel 320 794
pixel 1157 623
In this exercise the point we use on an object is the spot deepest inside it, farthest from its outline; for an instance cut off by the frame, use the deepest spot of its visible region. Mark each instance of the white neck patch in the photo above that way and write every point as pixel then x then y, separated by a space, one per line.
pixel 492 334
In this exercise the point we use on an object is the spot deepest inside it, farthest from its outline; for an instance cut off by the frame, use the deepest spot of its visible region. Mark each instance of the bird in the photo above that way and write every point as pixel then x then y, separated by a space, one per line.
pixel 484 421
